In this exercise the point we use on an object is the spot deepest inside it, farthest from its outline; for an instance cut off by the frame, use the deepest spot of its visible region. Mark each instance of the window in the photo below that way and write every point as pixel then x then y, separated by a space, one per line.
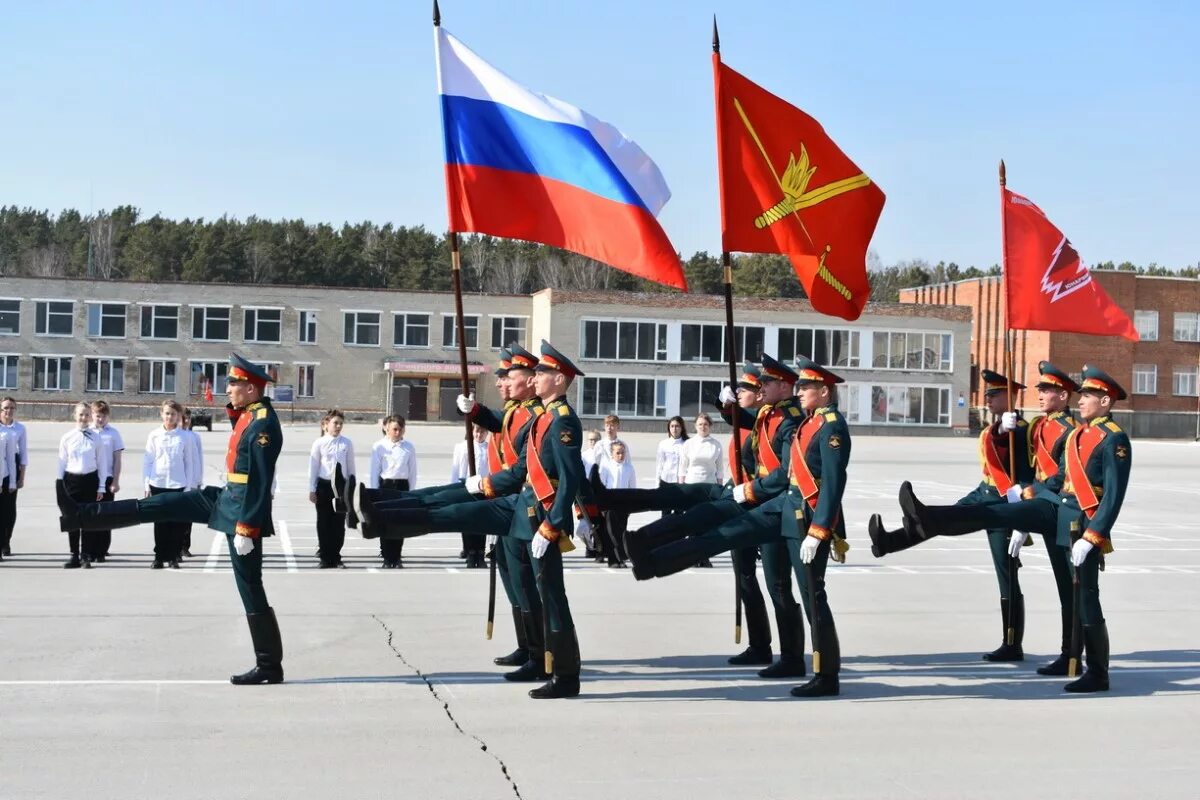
pixel 707 342
pixel 156 376
pixel 470 328
pixel 1187 327
pixel 827 347
pixel 306 333
pixel 105 375
pixel 626 397
pixel 10 316
pixel 1145 378
pixel 506 330
pixel 361 328
pixel 697 396
pixel 912 350
pixel 910 405
pixel 263 325
pixel 1184 381
pixel 207 373
pixel 410 330
pixel 306 377
pixel 160 322
pixel 1146 323
pixel 613 340
pixel 848 399
pixel 8 371
pixel 211 323
pixel 52 373
pixel 54 318
pixel 106 320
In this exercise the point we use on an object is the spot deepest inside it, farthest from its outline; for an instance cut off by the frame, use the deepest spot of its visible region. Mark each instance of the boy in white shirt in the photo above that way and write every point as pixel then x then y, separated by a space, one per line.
pixel 328 452
pixel 617 473
pixel 393 466
pixel 16 472
pixel 168 466
pixel 96 543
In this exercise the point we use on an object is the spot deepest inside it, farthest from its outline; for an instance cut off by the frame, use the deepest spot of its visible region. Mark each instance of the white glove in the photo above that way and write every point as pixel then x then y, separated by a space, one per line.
pixel 1015 542
pixel 540 545
pixel 1008 421
pixel 1013 495
pixel 727 395
pixel 475 484
pixel 1080 550
pixel 584 529
pixel 808 549
pixel 739 493
pixel 243 545
pixel 492 541
pixel 465 403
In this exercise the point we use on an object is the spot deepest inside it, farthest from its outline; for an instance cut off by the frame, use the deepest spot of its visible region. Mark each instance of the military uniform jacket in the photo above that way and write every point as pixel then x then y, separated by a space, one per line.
pixel 815 465
pixel 1092 477
pixel 244 505
pixel 548 474
pixel 1047 436
pixel 994 458
pixel 509 431
pixel 774 427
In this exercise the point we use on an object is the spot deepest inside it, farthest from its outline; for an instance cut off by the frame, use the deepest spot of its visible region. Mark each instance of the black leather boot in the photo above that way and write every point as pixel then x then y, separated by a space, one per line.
pixel 268 651
pixel 519 656
pixel 565 682
pixel 94 516
pixel 790 623
pixel 825 682
pixel 884 542
pixel 1058 667
pixel 929 521
pixel 752 656
pixel 1014 651
pixel 1095 679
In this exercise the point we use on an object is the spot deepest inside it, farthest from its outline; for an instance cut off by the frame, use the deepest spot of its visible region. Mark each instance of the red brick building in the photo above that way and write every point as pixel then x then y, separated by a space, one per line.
pixel 1161 372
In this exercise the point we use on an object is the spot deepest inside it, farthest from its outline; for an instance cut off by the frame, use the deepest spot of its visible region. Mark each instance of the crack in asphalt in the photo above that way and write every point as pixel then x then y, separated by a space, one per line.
pixel 483 746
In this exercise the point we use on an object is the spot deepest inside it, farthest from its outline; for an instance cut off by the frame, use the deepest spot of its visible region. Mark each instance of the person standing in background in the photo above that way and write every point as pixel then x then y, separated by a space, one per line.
pixel 16 473
pixel 700 461
pixel 588 454
pixel 393 466
pixel 666 460
pixel 167 467
pixel 96 543
pixel 617 473
pixel 83 469
pixel 329 451
pixel 8 465
pixel 472 541
pixel 196 453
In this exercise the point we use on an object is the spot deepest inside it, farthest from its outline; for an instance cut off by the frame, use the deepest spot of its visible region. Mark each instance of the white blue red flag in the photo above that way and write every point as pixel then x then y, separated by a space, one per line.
pixel 523 165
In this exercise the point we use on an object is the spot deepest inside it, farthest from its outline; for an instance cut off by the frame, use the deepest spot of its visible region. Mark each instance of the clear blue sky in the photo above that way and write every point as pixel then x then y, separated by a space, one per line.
pixel 328 111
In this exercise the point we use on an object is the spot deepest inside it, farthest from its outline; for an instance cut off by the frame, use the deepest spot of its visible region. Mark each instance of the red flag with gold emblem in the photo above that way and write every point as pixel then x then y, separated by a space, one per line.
pixel 1047 285
pixel 786 187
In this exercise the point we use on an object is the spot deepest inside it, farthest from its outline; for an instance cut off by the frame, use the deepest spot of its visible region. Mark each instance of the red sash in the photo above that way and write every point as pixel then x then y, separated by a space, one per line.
pixel 765 426
pixel 496 444
pixel 514 421
pixel 993 465
pixel 735 463
pixel 800 474
pixel 543 486
pixel 1081 443
pixel 243 422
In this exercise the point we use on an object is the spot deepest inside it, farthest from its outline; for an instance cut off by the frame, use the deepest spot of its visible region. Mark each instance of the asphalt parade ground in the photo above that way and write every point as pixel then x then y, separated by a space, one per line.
pixel 114 680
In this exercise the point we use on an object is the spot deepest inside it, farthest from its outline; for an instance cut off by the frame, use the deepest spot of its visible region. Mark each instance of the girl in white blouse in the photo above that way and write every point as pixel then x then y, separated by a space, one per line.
pixel 83 468
pixel 328 451
pixel 393 466
pixel 666 460
pixel 169 465
pixel 701 459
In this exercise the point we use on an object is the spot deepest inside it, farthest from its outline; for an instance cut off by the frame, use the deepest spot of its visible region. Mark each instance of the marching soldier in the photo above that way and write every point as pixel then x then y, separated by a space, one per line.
pixel 242 509
pixel 1000 484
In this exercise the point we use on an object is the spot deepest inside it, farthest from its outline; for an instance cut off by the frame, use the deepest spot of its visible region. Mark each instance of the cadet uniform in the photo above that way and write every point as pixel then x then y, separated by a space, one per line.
pixel 241 510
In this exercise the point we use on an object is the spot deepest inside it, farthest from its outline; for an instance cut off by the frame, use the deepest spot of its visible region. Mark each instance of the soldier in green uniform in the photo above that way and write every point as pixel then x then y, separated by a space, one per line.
pixel 241 510
pixel 1048 435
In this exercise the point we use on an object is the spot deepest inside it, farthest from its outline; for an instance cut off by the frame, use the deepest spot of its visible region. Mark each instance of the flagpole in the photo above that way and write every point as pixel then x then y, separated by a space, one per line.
pixel 730 338
pixel 1013 562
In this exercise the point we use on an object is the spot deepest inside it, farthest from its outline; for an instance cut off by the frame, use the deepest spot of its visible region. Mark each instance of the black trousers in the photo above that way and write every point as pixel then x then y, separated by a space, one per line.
pixel 666 511
pixel 95 543
pixel 331 526
pixel 168 536
pixel 8 510
pixel 613 543
pixel 82 489
pixel 392 549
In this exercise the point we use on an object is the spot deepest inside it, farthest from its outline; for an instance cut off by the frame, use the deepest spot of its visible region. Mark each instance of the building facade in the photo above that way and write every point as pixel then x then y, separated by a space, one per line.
pixel 372 352
pixel 1161 372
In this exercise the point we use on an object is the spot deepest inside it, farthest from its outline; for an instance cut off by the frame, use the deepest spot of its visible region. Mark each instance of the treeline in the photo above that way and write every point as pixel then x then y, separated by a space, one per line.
pixel 121 244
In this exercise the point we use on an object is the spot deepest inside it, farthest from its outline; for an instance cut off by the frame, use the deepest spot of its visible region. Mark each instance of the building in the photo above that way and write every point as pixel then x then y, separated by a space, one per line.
pixel 1160 372
pixel 370 352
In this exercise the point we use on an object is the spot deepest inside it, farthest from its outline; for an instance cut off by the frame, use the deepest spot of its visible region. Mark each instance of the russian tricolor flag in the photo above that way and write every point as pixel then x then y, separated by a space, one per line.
pixel 526 166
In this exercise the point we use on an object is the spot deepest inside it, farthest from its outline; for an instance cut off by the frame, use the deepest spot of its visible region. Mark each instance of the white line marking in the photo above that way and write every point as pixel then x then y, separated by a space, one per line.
pixel 219 543
pixel 285 542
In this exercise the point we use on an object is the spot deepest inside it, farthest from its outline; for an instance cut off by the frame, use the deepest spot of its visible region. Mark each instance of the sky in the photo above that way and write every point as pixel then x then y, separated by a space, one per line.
pixel 328 111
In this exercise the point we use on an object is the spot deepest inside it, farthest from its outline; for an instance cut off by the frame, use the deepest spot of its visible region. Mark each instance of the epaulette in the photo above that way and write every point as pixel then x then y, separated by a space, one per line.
pixel 564 410
pixel 260 414
pixel 831 416
pixel 1112 426
pixel 795 412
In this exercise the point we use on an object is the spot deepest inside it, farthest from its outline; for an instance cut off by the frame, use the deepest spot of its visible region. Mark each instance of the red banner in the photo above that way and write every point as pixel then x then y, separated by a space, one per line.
pixel 1047 285
pixel 787 188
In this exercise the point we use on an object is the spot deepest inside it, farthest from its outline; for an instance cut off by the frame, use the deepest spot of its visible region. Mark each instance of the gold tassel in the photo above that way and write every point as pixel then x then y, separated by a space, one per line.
pixel 839 549
pixel 549 663
pixel 816 662
pixel 565 545
pixel 489 630
pixel 737 634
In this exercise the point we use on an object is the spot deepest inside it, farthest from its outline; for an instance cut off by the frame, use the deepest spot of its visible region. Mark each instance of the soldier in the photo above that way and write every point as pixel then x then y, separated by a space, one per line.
pixel 16 473
pixel 1048 434
pixel 241 510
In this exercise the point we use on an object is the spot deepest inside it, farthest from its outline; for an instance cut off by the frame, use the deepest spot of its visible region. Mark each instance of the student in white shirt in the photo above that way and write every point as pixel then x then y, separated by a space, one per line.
pixel 666 459
pixel 96 543
pixel 8 469
pixel 617 473
pixel 588 454
pixel 602 450
pixel 601 455
pixel 472 541
pixel 393 466
pixel 328 451
pixel 168 466
pixel 83 467
pixel 702 459
pixel 16 473
pixel 196 453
